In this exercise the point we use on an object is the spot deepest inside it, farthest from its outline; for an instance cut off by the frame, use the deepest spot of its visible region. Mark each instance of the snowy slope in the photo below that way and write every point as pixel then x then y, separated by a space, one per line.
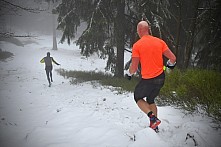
pixel 82 115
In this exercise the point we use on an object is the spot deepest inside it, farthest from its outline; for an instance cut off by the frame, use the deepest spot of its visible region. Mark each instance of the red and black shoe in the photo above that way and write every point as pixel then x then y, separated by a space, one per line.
pixel 154 122
pixel 156 129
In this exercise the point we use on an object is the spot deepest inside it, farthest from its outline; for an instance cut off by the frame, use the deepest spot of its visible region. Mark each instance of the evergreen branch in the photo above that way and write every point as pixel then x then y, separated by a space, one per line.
pixel 62 20
pixel 131 17
pixel 157 25
pixel 92 17
pixel 90 22
pixel 102 14
pixel 97 7
pixel 174 17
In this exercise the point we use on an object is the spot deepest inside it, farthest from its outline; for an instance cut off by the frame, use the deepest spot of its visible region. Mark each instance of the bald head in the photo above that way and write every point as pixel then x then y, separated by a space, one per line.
pixel 142 28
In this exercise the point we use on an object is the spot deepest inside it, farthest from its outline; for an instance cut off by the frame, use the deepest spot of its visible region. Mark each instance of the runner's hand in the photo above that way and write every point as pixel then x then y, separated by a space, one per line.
pixel 128 75
pixel 170 65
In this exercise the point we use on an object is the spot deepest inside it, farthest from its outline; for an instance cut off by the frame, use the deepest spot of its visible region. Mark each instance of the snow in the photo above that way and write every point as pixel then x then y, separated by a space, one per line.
pixel 83 114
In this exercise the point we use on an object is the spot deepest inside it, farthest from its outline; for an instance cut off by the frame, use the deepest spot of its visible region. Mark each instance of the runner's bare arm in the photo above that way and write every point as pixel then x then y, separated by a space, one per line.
pixel 134 65
pixel 168 53
pixel 54 61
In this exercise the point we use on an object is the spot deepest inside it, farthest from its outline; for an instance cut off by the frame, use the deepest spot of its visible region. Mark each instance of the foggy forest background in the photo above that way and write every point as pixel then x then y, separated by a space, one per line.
pixel 190 28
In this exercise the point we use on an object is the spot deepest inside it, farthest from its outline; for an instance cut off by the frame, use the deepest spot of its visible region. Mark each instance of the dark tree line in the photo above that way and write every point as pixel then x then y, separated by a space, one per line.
pixel 190 28
pixel 111 27
pixel 195 26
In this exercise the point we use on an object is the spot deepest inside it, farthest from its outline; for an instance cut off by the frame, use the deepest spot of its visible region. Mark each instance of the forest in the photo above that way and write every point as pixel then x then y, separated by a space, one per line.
pixel 191 28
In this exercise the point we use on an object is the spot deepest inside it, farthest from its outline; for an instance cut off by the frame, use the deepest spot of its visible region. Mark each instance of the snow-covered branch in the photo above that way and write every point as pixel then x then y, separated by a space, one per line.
pixel 62 20
pixel 92 16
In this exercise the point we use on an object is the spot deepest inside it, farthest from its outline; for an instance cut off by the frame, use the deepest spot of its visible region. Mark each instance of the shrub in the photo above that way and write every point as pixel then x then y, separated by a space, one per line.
pixel 5 55
pixel 103 78
pixel 195 87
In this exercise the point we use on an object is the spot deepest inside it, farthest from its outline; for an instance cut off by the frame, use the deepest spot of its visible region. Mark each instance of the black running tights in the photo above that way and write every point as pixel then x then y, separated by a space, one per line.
pixel 49 75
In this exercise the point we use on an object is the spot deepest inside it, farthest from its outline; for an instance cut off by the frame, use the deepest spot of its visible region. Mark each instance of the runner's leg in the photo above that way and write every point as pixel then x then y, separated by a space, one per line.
pixel 153 108
pixel 51 75
pixel 47 73
pixel 144 106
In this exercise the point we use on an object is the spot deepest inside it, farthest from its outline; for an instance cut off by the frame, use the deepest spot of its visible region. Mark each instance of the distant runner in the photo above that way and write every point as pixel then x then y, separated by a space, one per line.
pixel 48 66
pixel 149 52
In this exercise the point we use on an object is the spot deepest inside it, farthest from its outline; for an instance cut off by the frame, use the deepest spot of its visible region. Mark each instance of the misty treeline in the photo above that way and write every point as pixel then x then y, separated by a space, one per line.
pixel 10 8
pixel 191 28
pixel 14 8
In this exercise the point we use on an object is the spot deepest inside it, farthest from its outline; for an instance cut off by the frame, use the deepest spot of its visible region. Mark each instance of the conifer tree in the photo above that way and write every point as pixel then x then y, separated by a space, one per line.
pixel 208 53
pixel 111 26
pixel 104 34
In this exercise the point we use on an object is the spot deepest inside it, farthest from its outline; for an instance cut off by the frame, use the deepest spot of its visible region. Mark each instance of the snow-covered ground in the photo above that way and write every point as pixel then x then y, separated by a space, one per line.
pixel 82 115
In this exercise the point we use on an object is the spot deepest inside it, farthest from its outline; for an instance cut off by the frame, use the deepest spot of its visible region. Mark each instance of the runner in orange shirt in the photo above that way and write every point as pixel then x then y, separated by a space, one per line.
pixel 149 52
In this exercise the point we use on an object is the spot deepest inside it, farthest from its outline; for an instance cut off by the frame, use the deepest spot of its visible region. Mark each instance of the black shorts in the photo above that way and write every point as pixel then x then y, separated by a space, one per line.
pixel 149 88
pixel 48 68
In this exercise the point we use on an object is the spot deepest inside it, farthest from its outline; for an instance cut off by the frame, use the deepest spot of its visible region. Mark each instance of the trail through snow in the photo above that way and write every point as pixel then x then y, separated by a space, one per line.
pixel 85 114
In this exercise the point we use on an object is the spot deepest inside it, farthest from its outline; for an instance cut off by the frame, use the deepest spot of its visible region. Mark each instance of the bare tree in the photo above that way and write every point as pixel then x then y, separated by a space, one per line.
pixel 8 7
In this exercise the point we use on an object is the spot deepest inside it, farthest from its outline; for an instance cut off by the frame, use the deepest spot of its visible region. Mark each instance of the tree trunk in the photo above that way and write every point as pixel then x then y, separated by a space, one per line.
pixel 191 37
pixel 119 31
pixel 177 47
pixel 54 33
